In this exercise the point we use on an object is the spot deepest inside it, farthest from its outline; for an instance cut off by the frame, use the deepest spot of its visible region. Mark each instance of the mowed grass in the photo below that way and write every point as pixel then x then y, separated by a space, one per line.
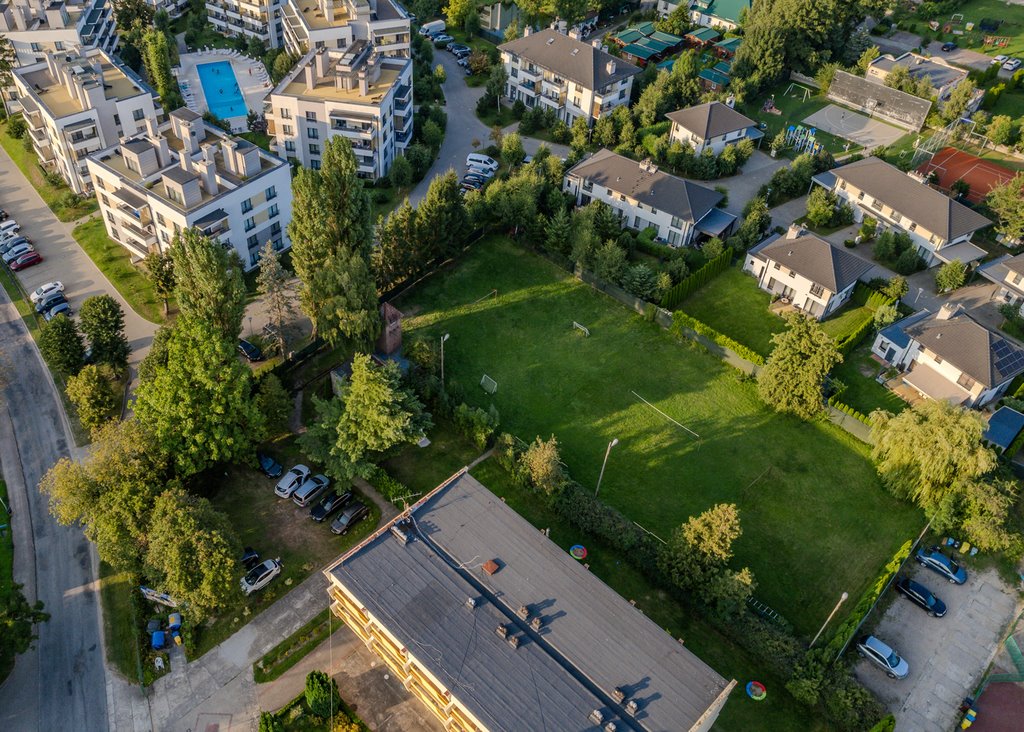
pixel 1012 27
pixel 733 305
pixel 795 109
pixel 862 392
pixel 423 469
pixel 815 520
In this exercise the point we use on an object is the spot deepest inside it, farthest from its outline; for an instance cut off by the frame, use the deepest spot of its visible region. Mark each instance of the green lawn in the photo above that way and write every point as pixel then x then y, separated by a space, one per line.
pixel 863 393
pixel 816 522
pixel 846 320
pixel 423 469
pixel 115 262
pixel 974 11
pixel 794 111
pixel 295 647
pixel 733 305
pixel 28 163
pixel 258 138
pixel 491 117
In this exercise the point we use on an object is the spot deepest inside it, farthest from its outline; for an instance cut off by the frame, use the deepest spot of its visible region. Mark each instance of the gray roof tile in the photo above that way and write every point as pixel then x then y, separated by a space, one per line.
pixel 570 58
pixel 713 119
pixel 833 268
pixel 985 356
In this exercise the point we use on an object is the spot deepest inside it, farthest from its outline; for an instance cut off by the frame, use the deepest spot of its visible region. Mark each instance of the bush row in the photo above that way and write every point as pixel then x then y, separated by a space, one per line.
pixel 851 339
pixel 681 320
pixel 698 279
pixel 864 295
pixel 387 486
pixel 847 409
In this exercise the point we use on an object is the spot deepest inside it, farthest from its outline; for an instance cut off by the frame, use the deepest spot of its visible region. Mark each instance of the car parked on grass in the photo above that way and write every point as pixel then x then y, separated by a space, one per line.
pixel 881 655
pixel 310 490
pixel 251 351
pixel 250 558
pixel 352 515
pixel 268 466
pixel 43 290
pixel 260 576
pixel 939 563
pixel 329 504
pixel 47 302
pixel 25 261
pixel 59 309
pixel 291 481
pixel 922 597
pixel 1000 59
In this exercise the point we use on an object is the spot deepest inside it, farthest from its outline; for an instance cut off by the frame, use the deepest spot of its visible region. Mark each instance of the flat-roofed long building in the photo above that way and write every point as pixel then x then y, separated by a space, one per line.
pixel 355 93
pixel 77 103
pixel 311 24
pixel 494 627
pixel 185 174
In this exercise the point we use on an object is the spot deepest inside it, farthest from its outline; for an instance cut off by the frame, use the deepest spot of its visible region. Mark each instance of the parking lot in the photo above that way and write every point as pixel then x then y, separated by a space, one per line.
pixel 947 655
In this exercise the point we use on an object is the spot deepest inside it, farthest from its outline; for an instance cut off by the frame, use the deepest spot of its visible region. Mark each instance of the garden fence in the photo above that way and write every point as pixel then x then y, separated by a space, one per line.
pixel 698 279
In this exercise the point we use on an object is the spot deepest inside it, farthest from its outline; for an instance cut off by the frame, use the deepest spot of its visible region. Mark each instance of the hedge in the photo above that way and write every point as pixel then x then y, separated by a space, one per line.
pixel 853 338
pixel 387 486
pixel 1017 444
pixel 862 296
pixel 681 320
pixel 698 279
pixel 847 409
pixel 653 248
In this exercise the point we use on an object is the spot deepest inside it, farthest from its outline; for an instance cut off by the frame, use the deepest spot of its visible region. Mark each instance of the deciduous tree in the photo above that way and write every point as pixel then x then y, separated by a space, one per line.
pixel 160 270
pixel 821 206
pixel 209 281
pixel 950 276
pixel 512 152
pixel 791 380
pixel 93 394
pixel 102 321
pixel 61 346
pixel 18 619
pixel 542 465
pixel 1007 202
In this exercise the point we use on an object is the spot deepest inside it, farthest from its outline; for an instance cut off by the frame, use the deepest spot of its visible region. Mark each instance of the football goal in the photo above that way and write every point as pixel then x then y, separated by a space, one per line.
pixel 581 328
pixel 488 384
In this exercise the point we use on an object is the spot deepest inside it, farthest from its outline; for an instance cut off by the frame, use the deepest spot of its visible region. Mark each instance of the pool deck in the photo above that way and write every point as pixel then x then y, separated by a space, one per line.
pixel 249 74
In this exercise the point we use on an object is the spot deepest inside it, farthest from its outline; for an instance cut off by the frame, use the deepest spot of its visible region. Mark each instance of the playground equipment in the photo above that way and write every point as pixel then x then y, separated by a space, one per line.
pixel 802 139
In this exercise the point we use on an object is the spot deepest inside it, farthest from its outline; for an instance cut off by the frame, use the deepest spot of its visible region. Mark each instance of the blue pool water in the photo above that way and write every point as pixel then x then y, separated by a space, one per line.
pixel 223 97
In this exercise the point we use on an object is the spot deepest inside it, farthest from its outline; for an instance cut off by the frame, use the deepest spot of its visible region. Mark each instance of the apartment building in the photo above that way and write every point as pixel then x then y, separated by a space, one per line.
pixel 34 27
pixel 311 24
pixel 683 212
pixel 75 104
pixel 495 18
pixel 185 173
pixel 355 93
pixel 938 226
pixel 576 79
pixel 174 8
pixel 494 627
pixel 250 18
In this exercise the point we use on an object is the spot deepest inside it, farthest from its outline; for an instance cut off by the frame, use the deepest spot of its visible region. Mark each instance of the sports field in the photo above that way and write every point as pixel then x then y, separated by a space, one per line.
pixel 816 523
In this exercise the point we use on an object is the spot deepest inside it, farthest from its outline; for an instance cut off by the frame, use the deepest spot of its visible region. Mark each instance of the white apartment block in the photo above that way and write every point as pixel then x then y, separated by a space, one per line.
pixel 174 8
pixel 35 27
pixel 311 24
pixel 185 174
pixel 250 18
pixel 576 79
pixel 355 93
pixel 77 104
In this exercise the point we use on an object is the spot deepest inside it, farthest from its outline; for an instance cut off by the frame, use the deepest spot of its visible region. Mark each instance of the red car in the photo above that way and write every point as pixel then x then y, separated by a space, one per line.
pixel 26 260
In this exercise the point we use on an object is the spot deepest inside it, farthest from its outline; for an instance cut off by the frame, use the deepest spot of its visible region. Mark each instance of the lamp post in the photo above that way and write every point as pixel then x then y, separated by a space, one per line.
pixel 834 611
pixel 443 339
pixel 607 452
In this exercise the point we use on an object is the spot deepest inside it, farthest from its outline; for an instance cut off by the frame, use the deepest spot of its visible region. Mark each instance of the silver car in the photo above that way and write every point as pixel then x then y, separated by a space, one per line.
pixel 309 491
pixel 259 576
pixel 883 656
pixel 291 481
pixel 16 251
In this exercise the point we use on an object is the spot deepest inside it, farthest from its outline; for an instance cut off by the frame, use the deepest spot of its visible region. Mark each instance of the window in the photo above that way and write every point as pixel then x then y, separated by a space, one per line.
pixel 117 120
pixel 110 217
pixel 289 146
pixel 816 290
pixel 103 197
pixel 673 238
pixel 59 45
pixel 270 193
pixel 287 130
pixel 312 133
pixel 842 185
pixel 314 165
pixel 896 217
pixel 792 274
pixel 1016 278
pixel 286 113
pixel 173 195
pixel 311 116
pixel 937 358
pixel 676 223
pixel 876 204
pixel 965 381
pixel 515 73
pixel 588 186
pixel 160 219
pixel 777 265
pixel 272 211
pixel 622 94
pixel 860 196
pixel 314 149
pixel 138 114
pixel 247 205
pixel 37 48
pixel 912 227
pixel 252 241
pixel 250 224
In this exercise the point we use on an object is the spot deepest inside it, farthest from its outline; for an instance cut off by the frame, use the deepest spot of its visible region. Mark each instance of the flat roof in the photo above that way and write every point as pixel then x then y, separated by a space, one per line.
pixel 1003 427
pixel 325 88
pixel 591 642
pixel 57 98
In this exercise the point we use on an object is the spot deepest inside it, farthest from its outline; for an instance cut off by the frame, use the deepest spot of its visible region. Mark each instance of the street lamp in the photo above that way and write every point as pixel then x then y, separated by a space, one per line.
pixel 443 339
pixel 834 611
pixel 607 452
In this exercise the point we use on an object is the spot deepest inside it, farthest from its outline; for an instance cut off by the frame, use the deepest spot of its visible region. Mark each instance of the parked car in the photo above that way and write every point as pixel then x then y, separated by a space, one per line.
pixel 469 185
pixel 250 558
pixel 883 656
pixel 44 290
pixel 432 27
pixel 462 53
pixel 49 301
pixel 352 515
pixel 441 38
pixel 251 352
pixel 268 466
pixel 9 226
pixel 291 481
pixel 476 170
pixel 938 562
pixel 16 251
pixel 474 178
pixel 14 241
pixel 259 576
pixel 464 63
pixel 25 261
pixel 61 309
pixel 310 490
pixel 922 597
pixel 453 47
pixel 3 215
pixel 329 504
pixel 1011 64
pixel 948 46
pixel 1000 59
pixel 481 161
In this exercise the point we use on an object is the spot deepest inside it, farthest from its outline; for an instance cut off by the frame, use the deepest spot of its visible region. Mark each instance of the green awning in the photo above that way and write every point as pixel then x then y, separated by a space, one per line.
pixel 715 77
pixel 704 35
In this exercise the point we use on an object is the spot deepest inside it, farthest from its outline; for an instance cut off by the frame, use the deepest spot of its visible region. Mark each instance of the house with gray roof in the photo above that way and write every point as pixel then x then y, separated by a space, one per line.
pixel 879 101
pixel 951 356
pixel 938 226
pixel 494 627
pixel 942 77
pixel 713 125
pixel 812 274
pixel 576 79
pixel 684 212
pixel 1007 272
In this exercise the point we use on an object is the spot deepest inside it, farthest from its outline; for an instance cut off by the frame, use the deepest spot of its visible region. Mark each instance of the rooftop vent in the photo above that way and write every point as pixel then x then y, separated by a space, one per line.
pixel 632 707
pixel 490 566
pixel 536 623
pixel 550 41
pixel 513 640
pixel 502 630
pixel 596 716
pixel 610 727
pixel 523 612
pixel 619 695
pixel 575 51
pixel 402 530
pixel 471 602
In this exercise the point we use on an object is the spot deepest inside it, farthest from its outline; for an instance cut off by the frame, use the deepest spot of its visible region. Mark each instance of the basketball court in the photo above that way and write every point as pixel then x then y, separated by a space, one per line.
pixel 950 165
pixel 853 126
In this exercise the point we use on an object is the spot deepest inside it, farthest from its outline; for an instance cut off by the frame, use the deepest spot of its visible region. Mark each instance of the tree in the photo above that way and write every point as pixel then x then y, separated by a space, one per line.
pixel 441 218
pixel 398 255
pixel 610 262
pixel 821 206
pixel 209 283
pixel 18 619
pixel 8 61
pixel 558 232
pixel 496 85
pixel 160 270
pixel 156 54
pixel 958 101
pixel 640 281
pixel 512 203
pixel 102 321
pixel 512 31
pixel 192 552
pixel 580 134
pixel 439 73
pixel 1007 203
pixel 792 379
pixel 322 694
pixel 869 55
pixel 886 315
pixel 270 723
pixel 272 284
pixel 156 359
pixel 1002 130
pixel 61 346
pixel 950 276
pixel 432 134
pixel 571 11
pixel 512 152
pixel 373 413
pixel 923 453
pixel 275 404
pixel 896 288
pixel 282 65
pixel 677 22
pixel 401 172
pixel 92 392
pixel 199 406
pixel 542 465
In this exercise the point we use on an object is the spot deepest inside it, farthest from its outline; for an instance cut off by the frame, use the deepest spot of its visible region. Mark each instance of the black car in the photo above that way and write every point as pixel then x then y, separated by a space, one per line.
pixel 328 505
pixel 268 466
pixel 50 303
pixel 251 352
pixel 352 515
pixel 250 558
pixel 3 215
pixel 922 597
pixel 948 46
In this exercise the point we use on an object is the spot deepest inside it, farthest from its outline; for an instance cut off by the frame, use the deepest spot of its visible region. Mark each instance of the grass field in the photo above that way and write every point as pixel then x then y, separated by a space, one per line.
pixel 816 522
pixel 421 470
pixel 733 305
pixel 863 393
pixel 1012 27
pixel 794 111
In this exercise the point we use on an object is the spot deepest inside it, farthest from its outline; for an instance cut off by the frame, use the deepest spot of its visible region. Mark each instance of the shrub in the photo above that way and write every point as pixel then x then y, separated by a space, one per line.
pixel 868 228
pixel 387 486
pixel 909 262
pixel 321 694
pixel 270 723
pixel 477 424
pixel 681 321
pixel 16 127
pixel 698 279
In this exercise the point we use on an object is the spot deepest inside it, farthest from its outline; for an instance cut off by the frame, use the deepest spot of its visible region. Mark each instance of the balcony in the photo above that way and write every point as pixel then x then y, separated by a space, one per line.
pixel 358 132
pixel 534 73
pixel 83 142
pixel 146 236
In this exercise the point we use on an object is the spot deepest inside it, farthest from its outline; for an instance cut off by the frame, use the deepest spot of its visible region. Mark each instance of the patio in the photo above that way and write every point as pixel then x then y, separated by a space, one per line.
pixel 252 77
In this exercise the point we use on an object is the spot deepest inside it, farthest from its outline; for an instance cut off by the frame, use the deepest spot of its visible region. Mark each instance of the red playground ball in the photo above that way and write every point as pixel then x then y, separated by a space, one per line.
pixel 756 690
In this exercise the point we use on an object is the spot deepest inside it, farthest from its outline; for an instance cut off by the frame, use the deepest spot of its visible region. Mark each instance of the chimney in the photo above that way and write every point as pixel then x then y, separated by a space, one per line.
pixel 794 231
pixel 490 566
pixel 208 171
pixel 611 67
pixel 596 43
pixel 227 148
pixel 320 60
pixel 310 75
pixel 185 160
pixel 574 34
pixel 948 311
pixel 364 83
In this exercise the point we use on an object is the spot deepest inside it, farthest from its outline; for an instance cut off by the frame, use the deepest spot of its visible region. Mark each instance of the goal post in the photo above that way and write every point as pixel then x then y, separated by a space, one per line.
pixel 488 384
pixel 581 328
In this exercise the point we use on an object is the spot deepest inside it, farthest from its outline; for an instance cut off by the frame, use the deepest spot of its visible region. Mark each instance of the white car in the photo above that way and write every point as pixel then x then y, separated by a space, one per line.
pixel 1000 59
pixel 291 481
pixel 259 576
pixel 1012 64
pixel 43 290
pixel 15 252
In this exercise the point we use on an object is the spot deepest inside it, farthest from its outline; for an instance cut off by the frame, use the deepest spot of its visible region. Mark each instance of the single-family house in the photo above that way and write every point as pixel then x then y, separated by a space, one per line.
pixel 815 276
pixel 724 14
pixel 938 226
pixel 683 212
pixel 713 125
pixel 1008 273
pixel 950 355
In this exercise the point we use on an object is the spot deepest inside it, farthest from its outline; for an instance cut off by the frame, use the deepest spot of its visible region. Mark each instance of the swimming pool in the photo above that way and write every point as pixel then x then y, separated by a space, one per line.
pixel 220 87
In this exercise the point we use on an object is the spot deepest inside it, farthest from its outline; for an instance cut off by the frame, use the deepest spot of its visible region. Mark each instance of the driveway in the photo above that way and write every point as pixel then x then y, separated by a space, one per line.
pixel 964 57
pixel 744 185
pixel 948 655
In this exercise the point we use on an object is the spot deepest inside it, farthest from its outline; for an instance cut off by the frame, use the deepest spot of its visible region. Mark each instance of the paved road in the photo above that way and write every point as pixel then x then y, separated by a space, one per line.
pixel 61 683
